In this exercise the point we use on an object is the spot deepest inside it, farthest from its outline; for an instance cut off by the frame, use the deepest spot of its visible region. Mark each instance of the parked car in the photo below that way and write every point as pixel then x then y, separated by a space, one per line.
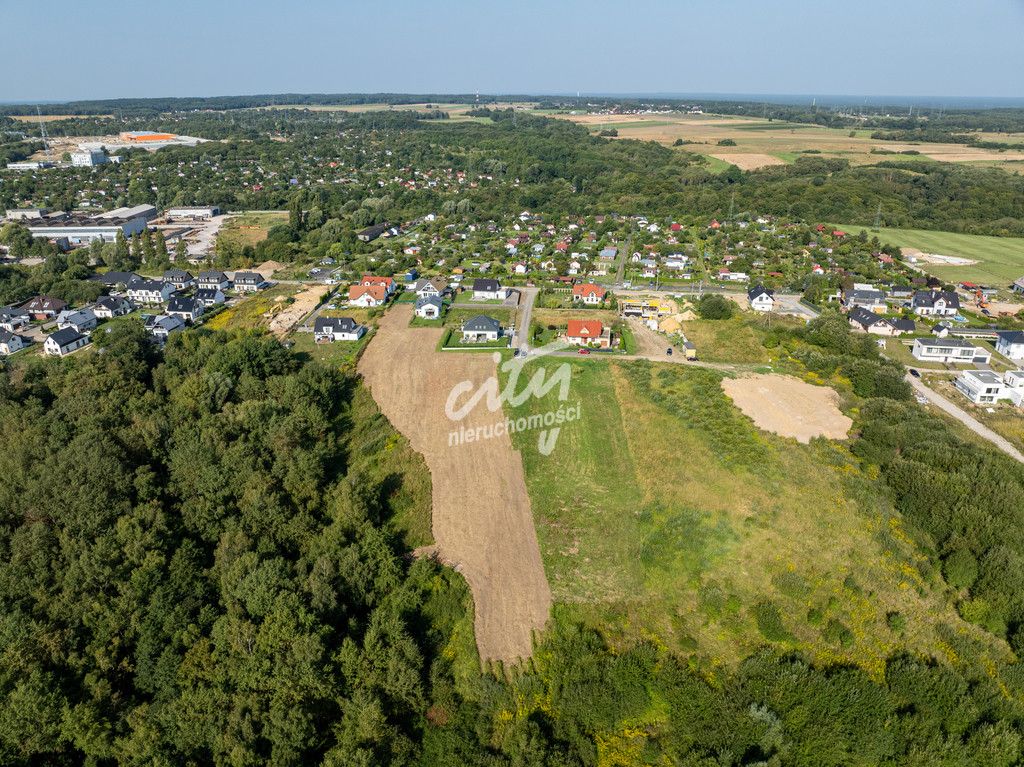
pixel 583 351
pixel 668 351
pixel 914 373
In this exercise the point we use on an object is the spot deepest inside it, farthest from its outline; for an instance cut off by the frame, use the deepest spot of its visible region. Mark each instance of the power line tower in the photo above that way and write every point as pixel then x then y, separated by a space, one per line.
pixel 732 206
pixel 42 130
pixel 878 216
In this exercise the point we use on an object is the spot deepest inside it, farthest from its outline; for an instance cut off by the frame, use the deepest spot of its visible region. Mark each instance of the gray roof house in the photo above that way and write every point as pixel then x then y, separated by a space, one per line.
pixel 186 308
pixel 64 342
pixel 330 329
pixel 481 328
pixel 428 307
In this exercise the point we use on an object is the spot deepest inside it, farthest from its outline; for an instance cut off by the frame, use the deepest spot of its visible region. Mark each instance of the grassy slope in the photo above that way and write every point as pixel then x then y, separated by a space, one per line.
pixel 675 526
pixel 1001 259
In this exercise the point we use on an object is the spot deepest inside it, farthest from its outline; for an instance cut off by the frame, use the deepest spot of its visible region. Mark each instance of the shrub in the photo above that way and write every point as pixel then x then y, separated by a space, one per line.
pixel 714 307
pixel 896 622
pixel 727 142
pixel 769 622
pixel 815 616
pixel 960 569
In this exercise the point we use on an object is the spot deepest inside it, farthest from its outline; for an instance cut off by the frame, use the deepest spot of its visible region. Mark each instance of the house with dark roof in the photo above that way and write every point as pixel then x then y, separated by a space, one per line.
pixel 13 319
pixel 11 342
pixel 150 291
pixel 935 303
pixel 64 342
pixel 331 329
pixel 162 325
pixel 488 289
pixel 110 279
pixel 761 299
pixel 213 281
pixel 481 328
pixel 1011 345
pixel 372 233
pixel 112 306
pixel 428 307
pixel 179 278
pixel 206 297
pixel 44 307
pixel 867 321
pixel 249 281
pixel 186 308
pixel 82 320
pixel 872 300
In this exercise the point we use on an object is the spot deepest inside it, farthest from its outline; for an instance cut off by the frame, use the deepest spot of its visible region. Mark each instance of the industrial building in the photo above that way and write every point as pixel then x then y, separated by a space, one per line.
pixel 17 214
pixel 82 229
pixel 142 136
pixel 194 213
pixel 88 158
pixel 145 212
pixel 29 165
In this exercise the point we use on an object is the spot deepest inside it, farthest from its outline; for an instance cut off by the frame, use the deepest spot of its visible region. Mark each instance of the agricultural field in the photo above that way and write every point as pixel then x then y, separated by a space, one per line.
pixel 664 513
pixel 250 228
pixel 767 142
pixel 999 260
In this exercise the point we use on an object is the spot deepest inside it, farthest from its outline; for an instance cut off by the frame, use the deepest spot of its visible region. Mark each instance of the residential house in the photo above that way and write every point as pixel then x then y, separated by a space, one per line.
pixel 431 286
pixel 901 292
pixel 949 350
pixel 150 291
pixel 13 319
pixel 246 282
pixel 1018 285
pixel 761 299
pixel 935 303
pixel 186 308
pixel 162 325
pixel 981 386
pixel 387 283
pixel 588 293
pixel 112 306
pixel 1013 380
pixel 213 281
pixel 180 279
pixel 112 279
pixel 520 268
pixel 588 333
pixel 367 295
pixel 428 307
pixel 372 233
pixel 207 297
pixel 867 321
pixel 1011 345
pixel 82 320
pixel 481 328
pixel 872 300
pixel 11 342
pixel 489 290
pixel 64 342
pixel 44 307
pixel 331 329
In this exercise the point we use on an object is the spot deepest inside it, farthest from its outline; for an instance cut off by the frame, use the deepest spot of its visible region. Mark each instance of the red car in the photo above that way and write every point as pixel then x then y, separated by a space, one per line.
pixel 583 351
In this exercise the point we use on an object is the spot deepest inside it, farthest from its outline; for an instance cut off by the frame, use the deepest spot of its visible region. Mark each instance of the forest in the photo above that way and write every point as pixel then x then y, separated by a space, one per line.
pixel 203 561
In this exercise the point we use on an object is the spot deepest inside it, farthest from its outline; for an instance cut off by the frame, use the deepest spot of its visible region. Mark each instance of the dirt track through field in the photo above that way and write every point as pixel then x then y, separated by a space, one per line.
pixel 482 521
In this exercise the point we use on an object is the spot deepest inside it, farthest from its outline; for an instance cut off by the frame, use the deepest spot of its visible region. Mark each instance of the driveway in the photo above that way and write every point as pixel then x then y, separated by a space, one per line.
pixel 965 418
pixel 521 338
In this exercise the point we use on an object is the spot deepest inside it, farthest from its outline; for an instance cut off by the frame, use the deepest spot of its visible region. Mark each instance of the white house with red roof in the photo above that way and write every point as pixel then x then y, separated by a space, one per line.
pixel 588 293
pixel 588 333
pixel 367 295
pixel 387 283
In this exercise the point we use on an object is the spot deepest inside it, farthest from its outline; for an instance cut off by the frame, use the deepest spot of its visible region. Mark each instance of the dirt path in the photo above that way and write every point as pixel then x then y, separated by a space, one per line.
pixel 482 520
pixel 965 418
pixel 788 406
pixel 649 344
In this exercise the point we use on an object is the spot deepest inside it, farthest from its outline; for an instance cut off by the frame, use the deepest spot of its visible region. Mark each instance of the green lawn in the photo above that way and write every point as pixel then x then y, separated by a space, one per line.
pixel 343 354
pixel 1001 259
pixel 458 314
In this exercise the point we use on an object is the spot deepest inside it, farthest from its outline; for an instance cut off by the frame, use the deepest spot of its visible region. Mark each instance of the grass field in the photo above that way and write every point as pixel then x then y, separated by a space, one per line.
pixel 734 340
pixel 664 514
pixel 250 228
pixel 458 314
pixel 1000 259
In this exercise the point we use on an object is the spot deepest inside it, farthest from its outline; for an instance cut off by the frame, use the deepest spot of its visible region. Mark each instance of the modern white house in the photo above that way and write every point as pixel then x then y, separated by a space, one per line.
pixel 249 281
pixel 64 342
pixel 11 342
pixel 428 307
pixel 481 328
pixel 761 299
pixel 1013 380
pixel 209 297
pixel 150 291
pixel 1011 345
pixel 112 306
pixel 981 386
pixel 489 289
pixel 330 329
pixel 82 320
pixel 954 350
pixel 935 303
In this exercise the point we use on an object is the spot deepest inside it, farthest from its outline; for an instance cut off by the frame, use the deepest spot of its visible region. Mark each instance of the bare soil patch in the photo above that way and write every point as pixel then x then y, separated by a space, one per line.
pixel 745 161
pixel 267 268
pixel 305 302
pixel 789 407
pixel 482 521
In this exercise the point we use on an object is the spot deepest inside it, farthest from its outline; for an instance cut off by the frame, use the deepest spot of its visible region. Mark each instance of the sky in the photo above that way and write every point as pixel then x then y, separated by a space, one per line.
pixel 65 51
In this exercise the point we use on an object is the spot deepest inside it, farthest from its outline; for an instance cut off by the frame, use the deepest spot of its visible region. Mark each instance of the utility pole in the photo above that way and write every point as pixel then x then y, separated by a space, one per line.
pixel 878 216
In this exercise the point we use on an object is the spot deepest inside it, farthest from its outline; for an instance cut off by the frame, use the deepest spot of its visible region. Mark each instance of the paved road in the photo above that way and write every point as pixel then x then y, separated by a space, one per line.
pixel 521 338
pixel 967 420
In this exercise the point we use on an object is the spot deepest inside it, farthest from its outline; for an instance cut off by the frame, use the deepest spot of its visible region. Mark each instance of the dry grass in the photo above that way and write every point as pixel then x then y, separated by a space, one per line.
pixel 250 228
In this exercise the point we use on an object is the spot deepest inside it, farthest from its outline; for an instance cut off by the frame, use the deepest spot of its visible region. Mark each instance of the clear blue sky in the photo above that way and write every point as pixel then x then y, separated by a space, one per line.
pixel 68 50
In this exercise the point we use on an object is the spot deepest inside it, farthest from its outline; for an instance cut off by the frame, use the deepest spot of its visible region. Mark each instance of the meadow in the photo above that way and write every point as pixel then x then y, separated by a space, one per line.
pixel 250 228
pixel 1000 259
pixel 664 514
